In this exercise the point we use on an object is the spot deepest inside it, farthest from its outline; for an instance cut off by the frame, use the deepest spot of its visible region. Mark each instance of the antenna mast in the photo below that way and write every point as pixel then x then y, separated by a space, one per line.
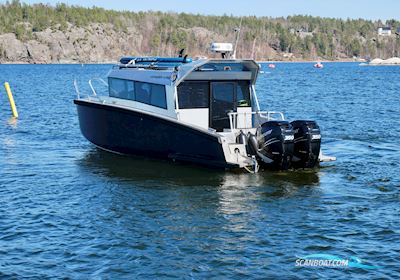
pixel 237 31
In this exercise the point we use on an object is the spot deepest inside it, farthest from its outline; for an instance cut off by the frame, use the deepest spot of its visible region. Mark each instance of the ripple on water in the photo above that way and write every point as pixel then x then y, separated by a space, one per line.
pixel 70 210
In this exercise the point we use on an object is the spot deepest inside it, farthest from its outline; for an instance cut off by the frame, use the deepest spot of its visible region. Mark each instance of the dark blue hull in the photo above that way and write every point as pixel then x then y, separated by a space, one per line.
pixel 135 133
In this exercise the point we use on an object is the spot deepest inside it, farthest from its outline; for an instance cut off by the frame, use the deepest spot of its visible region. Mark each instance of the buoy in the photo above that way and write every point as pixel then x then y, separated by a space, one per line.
pixel 318 65
pixel 11 99
pixel 272 66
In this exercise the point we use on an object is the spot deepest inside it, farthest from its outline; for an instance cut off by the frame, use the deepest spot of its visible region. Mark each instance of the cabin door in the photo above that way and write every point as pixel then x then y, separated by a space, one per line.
pixel 222 102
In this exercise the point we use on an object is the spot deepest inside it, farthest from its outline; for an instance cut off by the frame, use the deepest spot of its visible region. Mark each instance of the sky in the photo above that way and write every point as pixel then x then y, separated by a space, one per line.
pixel 367 9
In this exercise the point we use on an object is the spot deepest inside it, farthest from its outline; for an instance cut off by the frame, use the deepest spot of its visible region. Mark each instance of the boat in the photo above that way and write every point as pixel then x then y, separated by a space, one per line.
pixel 318 65
pixel 201 111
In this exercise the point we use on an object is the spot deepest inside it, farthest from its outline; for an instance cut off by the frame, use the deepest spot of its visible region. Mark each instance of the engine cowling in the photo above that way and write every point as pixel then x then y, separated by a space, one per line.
pixel 307 143
pixel 275 144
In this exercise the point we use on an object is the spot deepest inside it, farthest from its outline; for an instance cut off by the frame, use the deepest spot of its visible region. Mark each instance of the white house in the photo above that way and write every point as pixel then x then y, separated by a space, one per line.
pixel 384 31
pixel 302 32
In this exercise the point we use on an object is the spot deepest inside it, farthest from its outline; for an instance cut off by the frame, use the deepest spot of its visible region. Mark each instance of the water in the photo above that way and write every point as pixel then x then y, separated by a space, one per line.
pixel 69 210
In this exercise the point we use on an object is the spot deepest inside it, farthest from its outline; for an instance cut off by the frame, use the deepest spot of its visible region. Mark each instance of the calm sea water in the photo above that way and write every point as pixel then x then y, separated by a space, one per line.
pixel 69 210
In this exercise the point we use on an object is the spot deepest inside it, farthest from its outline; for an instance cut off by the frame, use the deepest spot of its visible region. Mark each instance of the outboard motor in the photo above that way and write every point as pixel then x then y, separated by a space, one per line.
pixel 307 143
pixel 275 144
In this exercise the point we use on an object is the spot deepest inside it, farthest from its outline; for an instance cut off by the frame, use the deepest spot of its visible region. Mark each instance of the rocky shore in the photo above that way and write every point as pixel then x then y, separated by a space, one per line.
pixel 94 44
pixel 390 61
pixel 102 43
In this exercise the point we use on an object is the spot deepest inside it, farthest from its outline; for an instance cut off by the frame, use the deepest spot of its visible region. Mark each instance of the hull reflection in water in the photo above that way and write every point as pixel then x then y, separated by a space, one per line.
pixel 152 172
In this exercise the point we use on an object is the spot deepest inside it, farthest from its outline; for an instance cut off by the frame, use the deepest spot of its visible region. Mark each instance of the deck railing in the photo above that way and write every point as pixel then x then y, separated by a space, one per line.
pixel 246 120
pixel 94 93
pixel 96 79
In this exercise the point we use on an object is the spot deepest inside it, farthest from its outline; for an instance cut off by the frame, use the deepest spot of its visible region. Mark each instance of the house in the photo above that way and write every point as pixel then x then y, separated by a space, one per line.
pixel 384 31
pixel 302 32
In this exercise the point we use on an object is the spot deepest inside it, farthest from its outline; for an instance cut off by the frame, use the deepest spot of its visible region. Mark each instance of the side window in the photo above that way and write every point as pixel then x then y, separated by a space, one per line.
pixel 243 94
pixel 151 94
pixel 158 96
pixel 143 92
pixel 193 95
pixel 117 87
pixel 130 88
pixel 121 88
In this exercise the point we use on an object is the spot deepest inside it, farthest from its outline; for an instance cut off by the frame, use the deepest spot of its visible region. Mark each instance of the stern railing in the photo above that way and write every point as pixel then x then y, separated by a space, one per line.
pixel 247 120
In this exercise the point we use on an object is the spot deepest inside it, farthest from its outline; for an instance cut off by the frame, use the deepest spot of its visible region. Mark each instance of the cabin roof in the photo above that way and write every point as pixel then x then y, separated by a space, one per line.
pixel 172 71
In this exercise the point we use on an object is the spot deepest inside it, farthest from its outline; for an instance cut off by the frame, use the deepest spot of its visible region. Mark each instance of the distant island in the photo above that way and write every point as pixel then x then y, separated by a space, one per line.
pixel 43 33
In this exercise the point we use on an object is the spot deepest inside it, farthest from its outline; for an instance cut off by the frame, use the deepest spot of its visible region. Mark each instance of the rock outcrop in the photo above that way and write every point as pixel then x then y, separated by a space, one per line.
pixel 12 49
pixel 102 43
pixel 97 43
pixel 390 61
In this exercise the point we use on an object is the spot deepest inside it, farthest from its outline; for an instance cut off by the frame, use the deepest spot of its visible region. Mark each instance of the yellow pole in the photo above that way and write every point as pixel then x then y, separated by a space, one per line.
pixel 11 99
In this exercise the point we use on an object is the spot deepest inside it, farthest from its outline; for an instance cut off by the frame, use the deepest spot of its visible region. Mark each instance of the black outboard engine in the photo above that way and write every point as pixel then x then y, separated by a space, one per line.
pixel 307 143
pixel 275 144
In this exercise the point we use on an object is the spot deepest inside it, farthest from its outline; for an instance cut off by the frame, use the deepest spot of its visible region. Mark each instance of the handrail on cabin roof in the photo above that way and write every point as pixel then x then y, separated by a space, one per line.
pixel 154 59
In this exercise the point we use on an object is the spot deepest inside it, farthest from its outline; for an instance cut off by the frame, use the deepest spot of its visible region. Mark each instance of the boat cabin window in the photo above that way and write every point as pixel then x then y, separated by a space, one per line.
pixel 151 94
pixel 193 95
pixel 243 94
pixel 219 96
pixel 196 94
pixel 122 89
